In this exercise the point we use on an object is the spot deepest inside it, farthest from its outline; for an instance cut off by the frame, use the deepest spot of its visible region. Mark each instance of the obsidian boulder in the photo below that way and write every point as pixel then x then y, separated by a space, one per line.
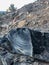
pixel 25 41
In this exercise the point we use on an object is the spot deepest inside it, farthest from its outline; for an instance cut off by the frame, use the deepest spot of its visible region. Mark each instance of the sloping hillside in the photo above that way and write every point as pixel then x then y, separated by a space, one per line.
pixel 34 15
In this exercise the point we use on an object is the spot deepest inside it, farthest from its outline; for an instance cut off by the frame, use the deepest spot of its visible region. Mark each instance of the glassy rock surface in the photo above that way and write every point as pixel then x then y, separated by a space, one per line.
pixel 23 46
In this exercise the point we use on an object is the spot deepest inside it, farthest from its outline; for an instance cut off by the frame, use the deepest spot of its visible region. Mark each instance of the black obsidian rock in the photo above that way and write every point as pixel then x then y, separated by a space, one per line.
pixel 24 41
pixel 20 40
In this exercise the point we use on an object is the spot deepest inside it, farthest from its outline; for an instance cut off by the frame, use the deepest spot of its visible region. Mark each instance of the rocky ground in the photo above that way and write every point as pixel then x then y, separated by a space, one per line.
pixel 34 16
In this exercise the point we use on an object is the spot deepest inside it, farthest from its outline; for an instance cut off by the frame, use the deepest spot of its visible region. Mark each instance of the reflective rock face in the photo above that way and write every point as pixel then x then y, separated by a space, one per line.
pixel 22 46
pixel 20 40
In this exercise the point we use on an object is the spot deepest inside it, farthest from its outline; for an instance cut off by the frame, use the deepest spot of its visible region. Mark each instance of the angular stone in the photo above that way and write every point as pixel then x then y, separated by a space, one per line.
pixel 40 42
pixel 32 43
